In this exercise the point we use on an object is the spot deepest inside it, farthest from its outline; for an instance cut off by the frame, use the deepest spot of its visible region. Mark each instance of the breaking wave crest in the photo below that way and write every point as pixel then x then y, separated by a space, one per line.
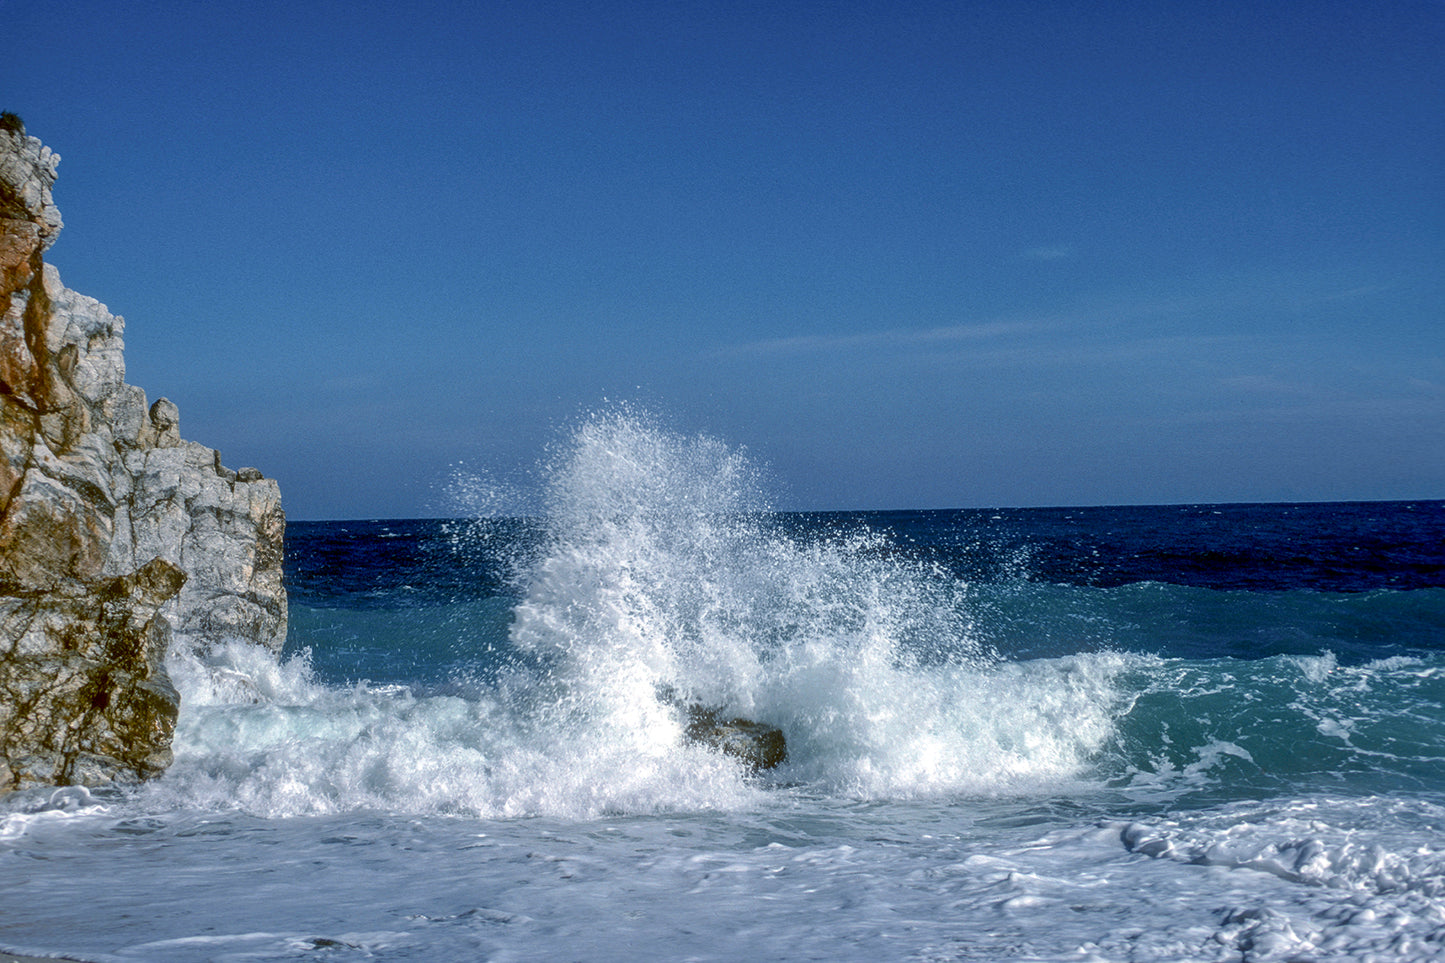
pixel 660 579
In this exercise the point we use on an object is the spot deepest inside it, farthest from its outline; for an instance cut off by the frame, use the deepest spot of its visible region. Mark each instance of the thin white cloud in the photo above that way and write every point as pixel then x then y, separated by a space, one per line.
pixel 1364 291
pixel 1108 331
pixel 890 338
pixel 1048 252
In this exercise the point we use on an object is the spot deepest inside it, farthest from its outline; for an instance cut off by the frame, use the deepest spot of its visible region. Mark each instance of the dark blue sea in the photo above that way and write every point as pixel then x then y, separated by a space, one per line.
pixel 1196 732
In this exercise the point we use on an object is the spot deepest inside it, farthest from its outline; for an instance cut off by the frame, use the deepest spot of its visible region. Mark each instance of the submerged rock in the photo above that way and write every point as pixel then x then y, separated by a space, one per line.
pixel 118 539
pixel 758 745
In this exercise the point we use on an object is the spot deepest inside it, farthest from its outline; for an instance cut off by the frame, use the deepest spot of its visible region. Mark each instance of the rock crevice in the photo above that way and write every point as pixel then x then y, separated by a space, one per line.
pixel 118 539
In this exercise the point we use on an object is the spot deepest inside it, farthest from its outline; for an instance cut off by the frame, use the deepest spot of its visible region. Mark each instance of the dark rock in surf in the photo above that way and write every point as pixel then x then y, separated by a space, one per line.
pixel 759 746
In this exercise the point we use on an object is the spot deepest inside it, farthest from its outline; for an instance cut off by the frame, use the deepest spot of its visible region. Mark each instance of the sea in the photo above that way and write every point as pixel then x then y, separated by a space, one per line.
pixel 1166 733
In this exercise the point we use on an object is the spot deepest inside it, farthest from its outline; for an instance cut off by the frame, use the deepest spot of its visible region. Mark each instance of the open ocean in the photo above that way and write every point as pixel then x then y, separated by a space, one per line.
pixel 1204 732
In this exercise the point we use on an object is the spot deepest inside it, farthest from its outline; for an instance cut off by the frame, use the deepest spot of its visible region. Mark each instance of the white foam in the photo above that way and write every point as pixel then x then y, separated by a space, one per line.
pixel 658 580
pixel 794 876
pixel 660 576
pixel 1372 872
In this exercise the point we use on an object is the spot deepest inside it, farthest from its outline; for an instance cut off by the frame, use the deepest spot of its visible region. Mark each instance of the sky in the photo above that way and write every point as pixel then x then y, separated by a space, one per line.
pixel 909 255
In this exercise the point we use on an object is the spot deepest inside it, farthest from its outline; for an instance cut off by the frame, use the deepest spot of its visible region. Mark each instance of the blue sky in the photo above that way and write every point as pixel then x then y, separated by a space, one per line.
pixel 910 254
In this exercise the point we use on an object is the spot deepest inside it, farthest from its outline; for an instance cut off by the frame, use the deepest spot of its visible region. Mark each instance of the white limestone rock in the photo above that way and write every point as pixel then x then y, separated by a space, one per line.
pixel 118 539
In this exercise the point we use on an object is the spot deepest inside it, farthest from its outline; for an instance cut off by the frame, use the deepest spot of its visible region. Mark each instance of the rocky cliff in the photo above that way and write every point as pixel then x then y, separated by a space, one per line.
pixel 118 540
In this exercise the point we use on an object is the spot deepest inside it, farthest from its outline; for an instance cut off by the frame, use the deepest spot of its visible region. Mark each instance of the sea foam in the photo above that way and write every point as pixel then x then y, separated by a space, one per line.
pixel 659 579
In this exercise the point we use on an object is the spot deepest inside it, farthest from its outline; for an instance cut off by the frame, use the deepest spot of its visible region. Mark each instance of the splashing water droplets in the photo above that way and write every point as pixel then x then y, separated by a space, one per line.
pixel 663 574
pixel 659 583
